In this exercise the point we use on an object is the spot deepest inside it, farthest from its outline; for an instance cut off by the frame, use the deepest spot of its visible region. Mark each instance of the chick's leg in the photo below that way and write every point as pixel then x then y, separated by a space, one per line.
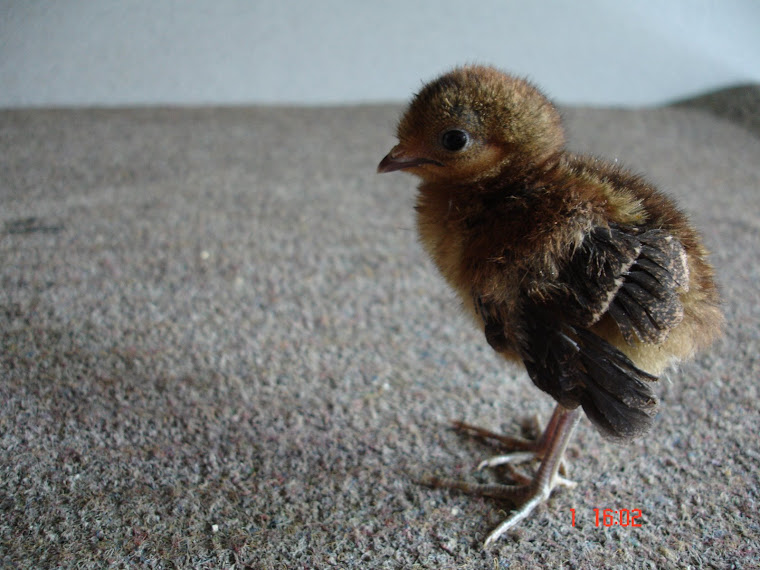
pixel 532 492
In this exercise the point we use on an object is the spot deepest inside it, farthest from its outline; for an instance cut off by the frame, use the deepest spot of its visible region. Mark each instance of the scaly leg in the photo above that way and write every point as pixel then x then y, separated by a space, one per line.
pixel 530 494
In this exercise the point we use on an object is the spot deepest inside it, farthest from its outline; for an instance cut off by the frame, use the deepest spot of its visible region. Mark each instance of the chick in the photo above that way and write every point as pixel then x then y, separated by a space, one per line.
pixel 573 266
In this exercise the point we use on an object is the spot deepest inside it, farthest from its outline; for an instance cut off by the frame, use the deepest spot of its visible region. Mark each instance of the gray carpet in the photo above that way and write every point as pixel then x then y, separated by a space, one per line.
pixel 223 347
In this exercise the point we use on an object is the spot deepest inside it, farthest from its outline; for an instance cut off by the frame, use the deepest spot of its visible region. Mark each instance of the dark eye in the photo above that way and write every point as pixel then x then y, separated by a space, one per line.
pixel 454 139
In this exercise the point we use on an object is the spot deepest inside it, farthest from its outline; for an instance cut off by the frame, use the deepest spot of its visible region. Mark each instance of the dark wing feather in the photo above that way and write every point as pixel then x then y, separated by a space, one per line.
pixel 594 273
pixel 634 276
pixel 577 367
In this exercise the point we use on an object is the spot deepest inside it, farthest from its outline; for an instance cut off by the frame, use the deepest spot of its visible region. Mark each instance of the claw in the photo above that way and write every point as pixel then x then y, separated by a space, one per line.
pixel 511 458
pixel 517 516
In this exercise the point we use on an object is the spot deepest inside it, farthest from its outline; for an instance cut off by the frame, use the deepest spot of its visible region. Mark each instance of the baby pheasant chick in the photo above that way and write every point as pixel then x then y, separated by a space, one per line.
pixel 578 269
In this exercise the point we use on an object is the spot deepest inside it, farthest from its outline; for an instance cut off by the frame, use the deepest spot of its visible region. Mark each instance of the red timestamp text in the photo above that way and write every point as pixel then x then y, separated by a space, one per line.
pixel 614 517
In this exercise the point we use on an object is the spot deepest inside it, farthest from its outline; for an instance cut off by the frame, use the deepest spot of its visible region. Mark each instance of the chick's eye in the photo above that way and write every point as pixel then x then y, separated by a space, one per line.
pixel 454 139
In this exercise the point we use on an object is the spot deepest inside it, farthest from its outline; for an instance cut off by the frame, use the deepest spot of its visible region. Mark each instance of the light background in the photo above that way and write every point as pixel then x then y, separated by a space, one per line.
pixel 172 52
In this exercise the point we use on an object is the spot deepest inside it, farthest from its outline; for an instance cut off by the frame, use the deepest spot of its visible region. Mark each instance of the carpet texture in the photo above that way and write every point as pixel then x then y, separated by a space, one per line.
pixel 222 347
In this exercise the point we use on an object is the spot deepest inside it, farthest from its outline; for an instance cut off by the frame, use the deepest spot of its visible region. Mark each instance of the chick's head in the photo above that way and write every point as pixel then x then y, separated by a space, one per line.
pixel 471 124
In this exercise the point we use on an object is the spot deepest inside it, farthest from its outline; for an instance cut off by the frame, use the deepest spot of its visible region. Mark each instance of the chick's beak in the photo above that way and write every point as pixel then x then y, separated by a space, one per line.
pixel 398 159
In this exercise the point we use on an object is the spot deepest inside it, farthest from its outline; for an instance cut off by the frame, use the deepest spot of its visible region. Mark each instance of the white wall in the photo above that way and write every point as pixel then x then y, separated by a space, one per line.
pixel 139 52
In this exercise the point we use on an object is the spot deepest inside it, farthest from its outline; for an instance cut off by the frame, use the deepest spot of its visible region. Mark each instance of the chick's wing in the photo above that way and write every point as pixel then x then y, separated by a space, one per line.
pixel 634 275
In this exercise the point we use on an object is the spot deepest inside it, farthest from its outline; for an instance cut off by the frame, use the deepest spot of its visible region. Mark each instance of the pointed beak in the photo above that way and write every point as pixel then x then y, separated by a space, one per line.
pixel 399 159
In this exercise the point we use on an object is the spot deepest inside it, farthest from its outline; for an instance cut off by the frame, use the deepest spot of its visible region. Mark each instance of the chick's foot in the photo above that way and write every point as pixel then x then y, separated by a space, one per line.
pixel 529 492
pixel 522 450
